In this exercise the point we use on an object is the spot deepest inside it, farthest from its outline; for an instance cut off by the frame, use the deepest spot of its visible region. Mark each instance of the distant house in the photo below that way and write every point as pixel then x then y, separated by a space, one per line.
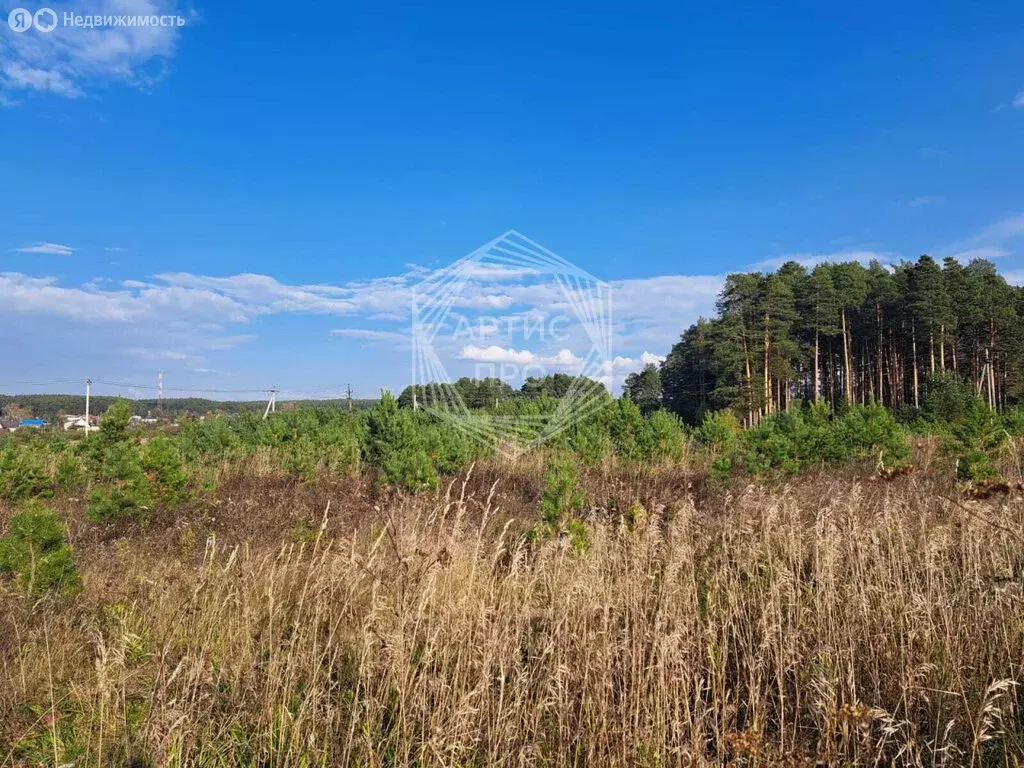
pixel 78 422
pixel 33 423
pixel 8 424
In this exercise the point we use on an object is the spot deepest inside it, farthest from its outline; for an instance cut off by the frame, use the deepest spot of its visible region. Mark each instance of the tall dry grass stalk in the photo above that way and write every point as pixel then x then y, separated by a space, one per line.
pixel 786 631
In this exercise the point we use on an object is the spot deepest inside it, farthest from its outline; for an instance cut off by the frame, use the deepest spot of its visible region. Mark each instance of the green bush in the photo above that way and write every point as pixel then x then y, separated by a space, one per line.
pixel 560 501
pixel 590 440
pixel 946 399
pixel 719 431
pixel 449 449
pixel 162 463
pixel 976 441
pixel 867 432
pixel 70 474
pixel 1013 420
pixel 23 473
pixel 36 552
pixel 632 433
pixel 123 490
pixel 790 441
pixel 669 435
pixel 396 446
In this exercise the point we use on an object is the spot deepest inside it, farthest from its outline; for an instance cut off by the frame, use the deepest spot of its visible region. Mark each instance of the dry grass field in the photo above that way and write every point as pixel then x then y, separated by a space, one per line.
pixel 830 621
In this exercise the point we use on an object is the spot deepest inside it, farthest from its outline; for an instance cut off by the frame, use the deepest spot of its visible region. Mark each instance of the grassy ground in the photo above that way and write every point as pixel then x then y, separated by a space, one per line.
pixel 834 620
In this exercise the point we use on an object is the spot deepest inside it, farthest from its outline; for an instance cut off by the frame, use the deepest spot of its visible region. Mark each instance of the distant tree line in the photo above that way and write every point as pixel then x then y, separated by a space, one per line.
pixel 489 392
pixel 847 334
pixel 52 407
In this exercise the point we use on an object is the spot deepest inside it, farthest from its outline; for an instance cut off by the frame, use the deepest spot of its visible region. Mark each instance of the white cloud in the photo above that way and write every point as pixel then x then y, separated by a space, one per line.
pixel 52 249
pixel 920 202
pixel 1015 277
pixel 629 364
pixel 71 59
pixel 564 358
pixel 370 334
pixel 16 75
pixel 1018 100
pixel 1005 229
pixel 21 293
pixel 990 242
pixel 147 353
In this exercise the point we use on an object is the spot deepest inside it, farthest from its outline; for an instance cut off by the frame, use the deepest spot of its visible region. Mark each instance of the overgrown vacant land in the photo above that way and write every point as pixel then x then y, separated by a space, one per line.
pixel 841 622
pixel 365 589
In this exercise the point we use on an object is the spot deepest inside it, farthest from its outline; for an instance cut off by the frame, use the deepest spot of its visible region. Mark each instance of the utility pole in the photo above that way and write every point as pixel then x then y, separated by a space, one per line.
pixel 160 392
pixel 88 392
pixel 349 395
pixel 271 403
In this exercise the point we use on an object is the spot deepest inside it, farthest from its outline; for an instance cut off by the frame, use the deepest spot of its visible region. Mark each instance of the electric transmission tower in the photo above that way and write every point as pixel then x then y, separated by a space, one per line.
pixel 271 403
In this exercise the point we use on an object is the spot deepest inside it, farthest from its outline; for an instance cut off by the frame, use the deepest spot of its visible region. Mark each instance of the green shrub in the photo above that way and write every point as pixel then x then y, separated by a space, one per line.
pixel 790 441
pixel 719 431
pixel 976 441
pixel 70 474
pixel 23 473
pixel 590 441
pixel 395 445
pixel 409 471
pixel 341 444
pixel 560 501
pixel 162 462
pixel 632 433
pixel 212 437
pixel 946 399
pixel 867 432
pixel 36 551
pixel 122 489
pixel 449 449
pixel 669 435
pixel 1013 421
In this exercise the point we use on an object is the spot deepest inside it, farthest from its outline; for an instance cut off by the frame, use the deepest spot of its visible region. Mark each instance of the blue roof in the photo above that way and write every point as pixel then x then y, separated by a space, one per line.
pixel 33 423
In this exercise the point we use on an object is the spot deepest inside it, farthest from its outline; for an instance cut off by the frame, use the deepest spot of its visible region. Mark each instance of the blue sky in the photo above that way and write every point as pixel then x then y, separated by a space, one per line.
pixel 246 200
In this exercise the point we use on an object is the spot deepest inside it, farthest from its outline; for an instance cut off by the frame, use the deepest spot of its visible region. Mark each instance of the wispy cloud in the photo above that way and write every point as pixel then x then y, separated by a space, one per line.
pixel 69 60
pixel 992 242
pixel 394 338
pixel 564 358
pixel 1018 100
pixel 920 202
pixel 52 249
pixel 980 253
pixel 1004 229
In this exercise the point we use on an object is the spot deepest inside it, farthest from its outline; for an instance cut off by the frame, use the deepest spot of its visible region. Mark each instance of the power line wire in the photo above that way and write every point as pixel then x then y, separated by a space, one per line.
pixel 335 392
